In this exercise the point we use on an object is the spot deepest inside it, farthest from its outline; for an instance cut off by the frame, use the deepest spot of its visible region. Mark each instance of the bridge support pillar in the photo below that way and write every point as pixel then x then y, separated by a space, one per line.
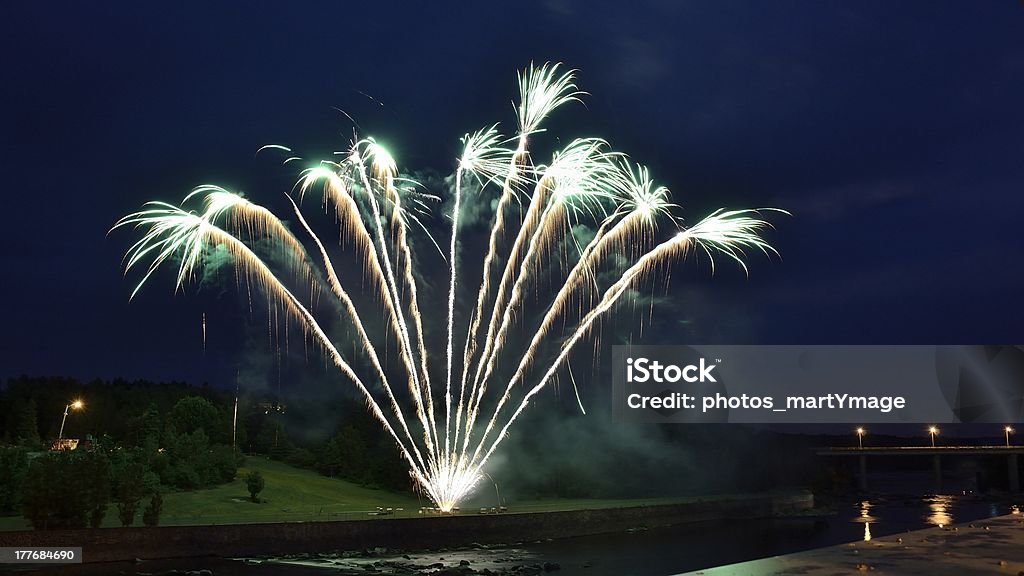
pixel 863 476
pixel 1014 474
pixel 937 468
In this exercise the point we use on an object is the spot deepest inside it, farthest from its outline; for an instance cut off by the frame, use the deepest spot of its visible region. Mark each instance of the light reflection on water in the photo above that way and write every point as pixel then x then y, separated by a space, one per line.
pixel 866 518
pixel 941 513
pixel 938 511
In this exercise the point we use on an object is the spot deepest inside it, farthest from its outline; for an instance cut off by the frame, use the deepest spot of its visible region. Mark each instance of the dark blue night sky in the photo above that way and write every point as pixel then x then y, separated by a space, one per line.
pixel 893 131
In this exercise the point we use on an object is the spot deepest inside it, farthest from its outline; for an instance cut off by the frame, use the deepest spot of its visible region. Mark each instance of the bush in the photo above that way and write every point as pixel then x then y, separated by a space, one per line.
pixel 151 515
pixel 254 482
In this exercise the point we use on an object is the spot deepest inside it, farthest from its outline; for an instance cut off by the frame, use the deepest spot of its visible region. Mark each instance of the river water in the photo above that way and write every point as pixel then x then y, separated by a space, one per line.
pixel 652 552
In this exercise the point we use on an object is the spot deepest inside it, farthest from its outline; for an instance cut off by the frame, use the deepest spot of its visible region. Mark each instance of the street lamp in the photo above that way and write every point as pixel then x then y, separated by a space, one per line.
pixel 496 492
pixel 860 438
pixel 933 431
pixel 76 405
pixel 1008 431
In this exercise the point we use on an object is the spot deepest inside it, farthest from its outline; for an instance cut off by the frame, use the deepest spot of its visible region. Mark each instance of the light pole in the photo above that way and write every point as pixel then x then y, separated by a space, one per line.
pixel 1008 431
pixel 860 438
pixel 77 405
pixel 496 492
pixel 933 431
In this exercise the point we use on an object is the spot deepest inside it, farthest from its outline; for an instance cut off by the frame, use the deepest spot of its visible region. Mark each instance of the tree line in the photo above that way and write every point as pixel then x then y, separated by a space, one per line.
pixel 138 440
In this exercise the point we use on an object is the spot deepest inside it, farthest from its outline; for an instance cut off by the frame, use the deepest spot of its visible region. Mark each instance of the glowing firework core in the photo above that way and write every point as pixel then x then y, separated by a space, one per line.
pixel 447 435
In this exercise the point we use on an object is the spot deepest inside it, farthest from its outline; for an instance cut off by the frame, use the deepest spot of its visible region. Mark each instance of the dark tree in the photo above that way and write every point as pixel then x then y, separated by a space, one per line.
pixel 94 478
pixel 188 465
pixel 13 468
pixel 194 413
pixel 24 424
pixel 224 463
pixel 151 515
pixel 144 430
pixel 54 497
pixel 272 440
pixel 130 490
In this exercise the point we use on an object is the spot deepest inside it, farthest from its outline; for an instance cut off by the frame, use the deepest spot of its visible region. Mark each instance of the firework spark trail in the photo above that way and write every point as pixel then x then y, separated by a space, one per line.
pixel 580 184
pixel 364 339
pixel 530 222
pixel 727 231
pixel 497 230
pixel 541 91
pixel 604 239
pixel 295 306
pixel 405 257
pixel 397 302
pixel 351 222
pixel 241 215
pixel 193 232
pixel 349 213
pixel 483 156
pixel 451 314
pixel 582 176
pixel 579 178
pixel 543 232
pixel 646 204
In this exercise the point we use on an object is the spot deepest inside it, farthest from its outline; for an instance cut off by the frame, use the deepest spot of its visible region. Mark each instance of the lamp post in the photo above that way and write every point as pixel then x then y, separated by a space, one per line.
pixel 76 405
pixel 860 438
pixel 933 431
pixel 1008 430
pixel 496 492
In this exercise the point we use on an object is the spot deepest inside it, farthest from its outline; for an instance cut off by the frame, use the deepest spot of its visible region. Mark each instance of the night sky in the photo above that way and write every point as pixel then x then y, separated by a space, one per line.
pixel 893 131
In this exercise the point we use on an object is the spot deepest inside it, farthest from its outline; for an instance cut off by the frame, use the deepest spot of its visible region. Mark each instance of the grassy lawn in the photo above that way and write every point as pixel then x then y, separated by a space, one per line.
pixel 290 494
pixel 294 494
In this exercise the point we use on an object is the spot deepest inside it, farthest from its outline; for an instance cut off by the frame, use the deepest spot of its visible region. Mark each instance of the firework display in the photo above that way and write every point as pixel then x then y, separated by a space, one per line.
pixel 496 362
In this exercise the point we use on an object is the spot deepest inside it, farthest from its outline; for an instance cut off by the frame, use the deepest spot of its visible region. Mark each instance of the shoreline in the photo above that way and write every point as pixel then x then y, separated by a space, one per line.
pixel 991 546
pixel 269 539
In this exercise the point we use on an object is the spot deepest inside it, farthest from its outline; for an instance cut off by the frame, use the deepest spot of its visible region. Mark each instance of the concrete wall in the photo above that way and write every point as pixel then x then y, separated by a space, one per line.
pixel 109 544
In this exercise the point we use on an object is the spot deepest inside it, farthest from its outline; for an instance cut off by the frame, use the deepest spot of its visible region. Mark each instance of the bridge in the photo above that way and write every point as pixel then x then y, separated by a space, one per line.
pixel 1012 454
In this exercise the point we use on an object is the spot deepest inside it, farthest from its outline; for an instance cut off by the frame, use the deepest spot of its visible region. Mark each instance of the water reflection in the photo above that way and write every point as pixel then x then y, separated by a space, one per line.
pixel 865 518
pixel 941 515
pixel 658 551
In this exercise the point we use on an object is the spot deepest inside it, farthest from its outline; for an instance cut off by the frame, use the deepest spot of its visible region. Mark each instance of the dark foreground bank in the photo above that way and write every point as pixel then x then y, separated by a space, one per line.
pixel 274 539
pixel 657 551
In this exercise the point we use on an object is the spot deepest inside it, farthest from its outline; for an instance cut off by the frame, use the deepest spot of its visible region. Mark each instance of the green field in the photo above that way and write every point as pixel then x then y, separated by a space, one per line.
pixel 294 494
pixel 291 494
